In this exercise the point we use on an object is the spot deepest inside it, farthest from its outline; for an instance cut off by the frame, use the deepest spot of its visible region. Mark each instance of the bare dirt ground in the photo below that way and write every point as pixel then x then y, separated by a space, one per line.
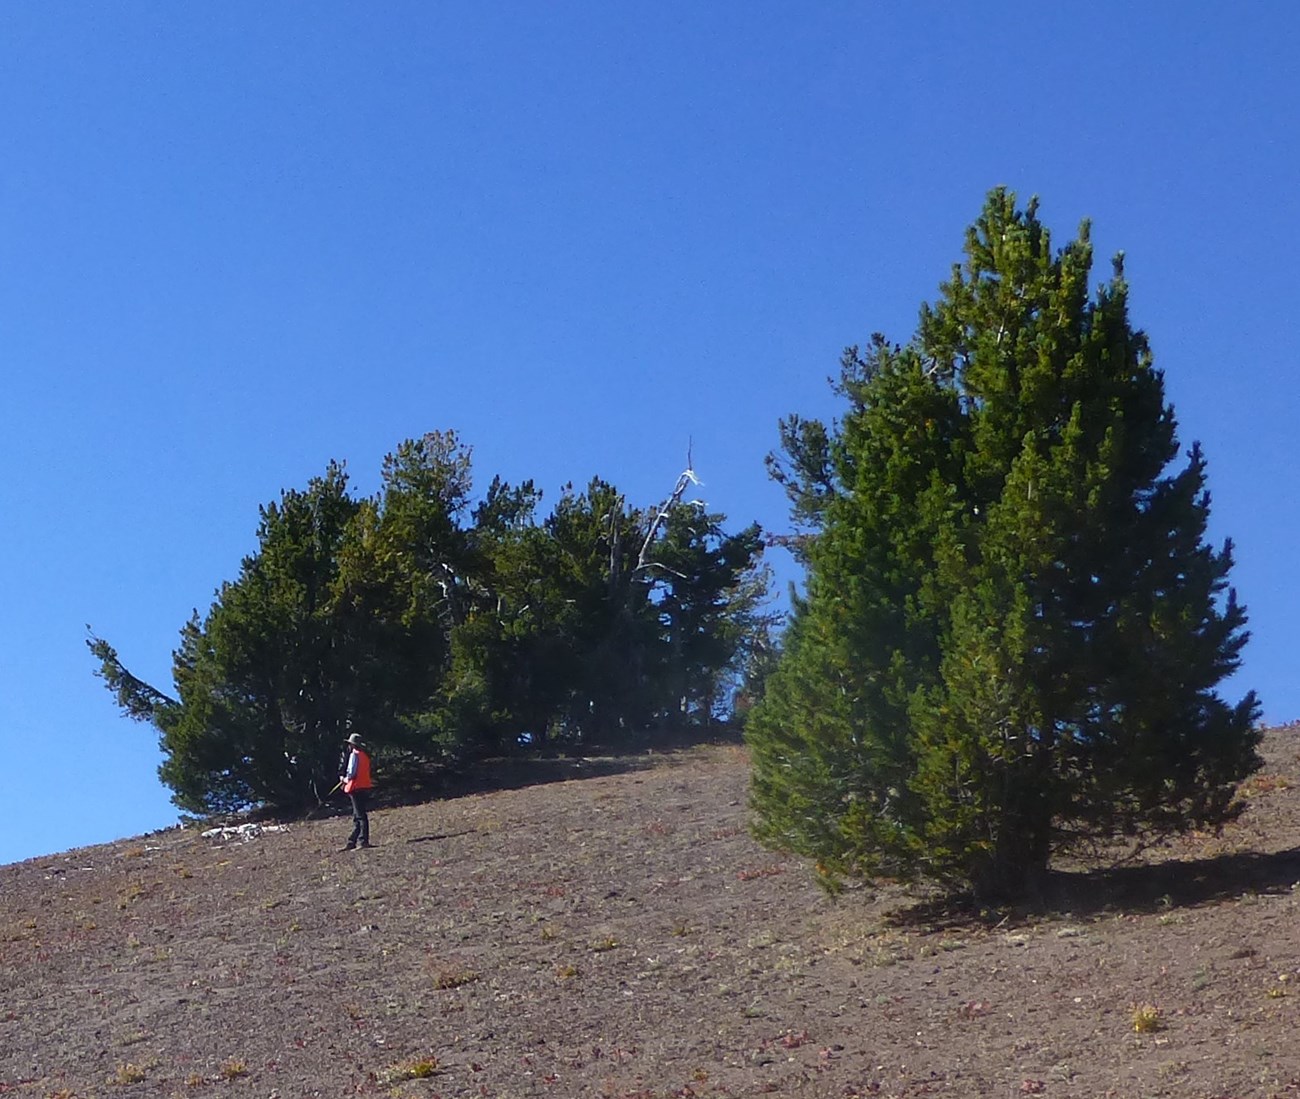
pixel 618 934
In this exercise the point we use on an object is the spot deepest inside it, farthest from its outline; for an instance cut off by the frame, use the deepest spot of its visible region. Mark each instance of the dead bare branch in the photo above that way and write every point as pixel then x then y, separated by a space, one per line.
pixel 687 478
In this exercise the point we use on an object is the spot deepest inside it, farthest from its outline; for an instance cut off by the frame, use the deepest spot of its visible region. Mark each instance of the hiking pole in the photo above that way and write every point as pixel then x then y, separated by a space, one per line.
pixel 320 801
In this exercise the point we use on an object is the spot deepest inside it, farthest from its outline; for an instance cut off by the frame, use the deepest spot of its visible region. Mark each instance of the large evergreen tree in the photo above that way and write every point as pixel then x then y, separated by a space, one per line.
pixel 1013 628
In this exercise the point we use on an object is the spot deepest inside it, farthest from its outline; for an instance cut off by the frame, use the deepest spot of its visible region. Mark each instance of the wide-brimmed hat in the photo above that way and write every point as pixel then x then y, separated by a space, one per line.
pixel 354 739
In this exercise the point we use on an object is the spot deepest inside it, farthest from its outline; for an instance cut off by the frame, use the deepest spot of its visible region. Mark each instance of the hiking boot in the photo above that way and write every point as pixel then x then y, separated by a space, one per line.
pixel 349 847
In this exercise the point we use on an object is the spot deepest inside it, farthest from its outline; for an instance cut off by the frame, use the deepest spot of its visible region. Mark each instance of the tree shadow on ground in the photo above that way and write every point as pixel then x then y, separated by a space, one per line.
pixel 1133 889
pixel 638 752
pixel 516 773
pixel 1185 883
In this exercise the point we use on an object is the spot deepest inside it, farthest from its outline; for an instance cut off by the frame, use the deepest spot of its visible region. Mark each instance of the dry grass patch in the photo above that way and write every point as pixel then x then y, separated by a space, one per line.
pixel 454 977
pixel 421 1068
pixel 128 1073
pixel 1146 1019
pixel 233 1069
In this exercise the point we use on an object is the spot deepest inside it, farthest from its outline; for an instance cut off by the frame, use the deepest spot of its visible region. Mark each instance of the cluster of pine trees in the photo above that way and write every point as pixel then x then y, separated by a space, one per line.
pixel 446 628
pixel 1010 641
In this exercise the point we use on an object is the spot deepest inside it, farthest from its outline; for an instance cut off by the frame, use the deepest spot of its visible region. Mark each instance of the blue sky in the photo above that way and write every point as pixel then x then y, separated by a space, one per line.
pixel 242 239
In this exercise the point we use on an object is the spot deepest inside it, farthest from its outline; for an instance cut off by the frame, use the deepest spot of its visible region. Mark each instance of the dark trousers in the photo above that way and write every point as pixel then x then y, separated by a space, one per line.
pixel 360 822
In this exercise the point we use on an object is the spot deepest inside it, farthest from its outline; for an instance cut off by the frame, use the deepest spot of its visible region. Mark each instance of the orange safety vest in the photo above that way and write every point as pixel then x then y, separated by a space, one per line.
pixel 361 780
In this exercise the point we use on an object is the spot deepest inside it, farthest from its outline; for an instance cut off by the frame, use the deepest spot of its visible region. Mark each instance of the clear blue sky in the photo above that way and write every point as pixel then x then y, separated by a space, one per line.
pixel 241 239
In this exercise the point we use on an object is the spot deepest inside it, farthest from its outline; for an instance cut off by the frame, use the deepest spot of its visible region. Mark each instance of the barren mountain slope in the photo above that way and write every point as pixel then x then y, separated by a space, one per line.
pixel 621 935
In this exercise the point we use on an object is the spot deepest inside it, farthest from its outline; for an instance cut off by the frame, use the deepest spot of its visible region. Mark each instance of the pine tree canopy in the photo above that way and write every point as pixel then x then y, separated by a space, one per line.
pixel 445 632
pixel 1013 628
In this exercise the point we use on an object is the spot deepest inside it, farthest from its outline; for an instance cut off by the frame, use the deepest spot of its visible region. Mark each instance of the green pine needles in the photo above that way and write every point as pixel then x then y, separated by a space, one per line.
pixel 1013 627
pixel 447 628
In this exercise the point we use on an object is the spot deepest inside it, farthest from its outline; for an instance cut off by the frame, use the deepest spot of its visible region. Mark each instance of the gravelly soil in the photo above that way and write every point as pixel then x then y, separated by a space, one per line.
pixel 618 934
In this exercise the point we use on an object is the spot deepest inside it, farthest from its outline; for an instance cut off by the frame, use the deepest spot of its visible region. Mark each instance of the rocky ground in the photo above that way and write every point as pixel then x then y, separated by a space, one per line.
pixel 615 932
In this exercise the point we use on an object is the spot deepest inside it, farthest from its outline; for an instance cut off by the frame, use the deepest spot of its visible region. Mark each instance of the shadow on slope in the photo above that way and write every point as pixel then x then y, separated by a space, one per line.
pixel 1136 889
pixel 412 784
pixel 1186 883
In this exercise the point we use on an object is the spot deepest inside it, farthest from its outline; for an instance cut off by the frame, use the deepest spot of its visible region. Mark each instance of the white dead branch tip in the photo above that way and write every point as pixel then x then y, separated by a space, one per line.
pixel 687 478
pixel 242 832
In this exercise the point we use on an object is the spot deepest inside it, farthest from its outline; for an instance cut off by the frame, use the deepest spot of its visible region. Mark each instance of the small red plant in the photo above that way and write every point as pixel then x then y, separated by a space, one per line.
pixel 760 872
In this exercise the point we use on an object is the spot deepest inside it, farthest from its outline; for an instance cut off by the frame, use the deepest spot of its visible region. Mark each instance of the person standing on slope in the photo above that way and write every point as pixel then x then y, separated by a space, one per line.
pixel 357 784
